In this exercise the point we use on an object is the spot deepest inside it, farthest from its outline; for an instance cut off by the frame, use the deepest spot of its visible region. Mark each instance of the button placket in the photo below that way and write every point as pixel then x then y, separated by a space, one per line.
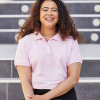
pixel 48 48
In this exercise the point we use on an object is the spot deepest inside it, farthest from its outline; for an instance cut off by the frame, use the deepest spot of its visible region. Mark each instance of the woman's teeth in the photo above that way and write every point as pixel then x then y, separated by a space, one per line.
pixel 49 19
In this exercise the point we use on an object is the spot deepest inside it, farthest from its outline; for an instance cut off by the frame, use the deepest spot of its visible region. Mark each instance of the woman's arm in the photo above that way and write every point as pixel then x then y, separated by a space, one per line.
pixel 25 78
pixel 73 78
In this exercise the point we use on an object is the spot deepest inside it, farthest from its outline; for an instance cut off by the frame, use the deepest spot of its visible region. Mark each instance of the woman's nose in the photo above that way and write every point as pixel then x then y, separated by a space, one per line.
pixel 49 12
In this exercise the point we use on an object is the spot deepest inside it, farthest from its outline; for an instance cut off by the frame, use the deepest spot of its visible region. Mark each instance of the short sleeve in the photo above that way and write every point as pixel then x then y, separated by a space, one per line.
pixel 21 56
pixel 75 54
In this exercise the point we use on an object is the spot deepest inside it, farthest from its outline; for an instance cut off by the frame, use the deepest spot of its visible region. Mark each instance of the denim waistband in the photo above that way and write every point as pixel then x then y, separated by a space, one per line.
pixel 71 93
pixel 43 91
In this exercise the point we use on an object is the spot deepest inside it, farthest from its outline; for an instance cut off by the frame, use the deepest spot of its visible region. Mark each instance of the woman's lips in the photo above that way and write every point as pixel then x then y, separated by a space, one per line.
pixel 49 19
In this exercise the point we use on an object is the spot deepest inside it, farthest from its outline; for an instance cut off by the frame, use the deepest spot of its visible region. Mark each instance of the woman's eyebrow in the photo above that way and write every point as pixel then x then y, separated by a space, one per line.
pixel 54 8
pixel 51 8
pixel 44 7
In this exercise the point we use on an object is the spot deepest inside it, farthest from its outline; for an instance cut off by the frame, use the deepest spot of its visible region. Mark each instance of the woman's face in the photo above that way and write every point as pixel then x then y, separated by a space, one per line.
pixel 49 14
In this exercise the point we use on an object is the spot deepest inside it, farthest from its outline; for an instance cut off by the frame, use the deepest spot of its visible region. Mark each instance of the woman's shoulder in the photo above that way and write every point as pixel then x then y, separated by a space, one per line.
pixel 70 37
pixel 25 42
pixel 70 40
pixel 26 38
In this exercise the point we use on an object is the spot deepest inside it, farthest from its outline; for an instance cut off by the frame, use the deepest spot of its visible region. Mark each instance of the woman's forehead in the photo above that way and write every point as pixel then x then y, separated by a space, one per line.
pixel 49 4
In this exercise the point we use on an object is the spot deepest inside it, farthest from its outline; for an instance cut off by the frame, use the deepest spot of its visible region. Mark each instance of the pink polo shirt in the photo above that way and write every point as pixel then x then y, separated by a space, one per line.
pixel 49 60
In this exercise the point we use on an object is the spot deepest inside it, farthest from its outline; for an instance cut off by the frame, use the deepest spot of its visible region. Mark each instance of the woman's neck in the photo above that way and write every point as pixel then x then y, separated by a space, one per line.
pixel 47 32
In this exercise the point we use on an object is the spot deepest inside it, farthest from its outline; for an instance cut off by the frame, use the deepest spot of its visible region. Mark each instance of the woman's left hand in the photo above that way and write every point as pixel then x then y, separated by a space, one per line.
pixel 38 97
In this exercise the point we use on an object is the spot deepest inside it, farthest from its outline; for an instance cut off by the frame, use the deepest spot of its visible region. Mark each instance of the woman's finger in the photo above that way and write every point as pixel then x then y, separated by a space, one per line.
pixel 30 96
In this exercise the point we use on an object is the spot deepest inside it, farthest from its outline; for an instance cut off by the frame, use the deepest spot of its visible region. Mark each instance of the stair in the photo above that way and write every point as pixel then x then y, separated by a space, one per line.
pixel 88 87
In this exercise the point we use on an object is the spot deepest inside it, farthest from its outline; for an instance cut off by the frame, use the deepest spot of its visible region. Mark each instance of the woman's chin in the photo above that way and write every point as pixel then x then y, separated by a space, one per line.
pixel 50 27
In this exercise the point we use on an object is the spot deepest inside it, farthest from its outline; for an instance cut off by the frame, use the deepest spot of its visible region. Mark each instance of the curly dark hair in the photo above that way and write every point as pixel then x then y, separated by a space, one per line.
pixel 65 25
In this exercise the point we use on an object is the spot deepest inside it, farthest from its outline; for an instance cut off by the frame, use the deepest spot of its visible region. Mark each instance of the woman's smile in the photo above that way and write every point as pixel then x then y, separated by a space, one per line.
pixel 49 19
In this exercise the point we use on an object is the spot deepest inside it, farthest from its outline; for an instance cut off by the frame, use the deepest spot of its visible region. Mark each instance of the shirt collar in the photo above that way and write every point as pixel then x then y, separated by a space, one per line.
pixel 39 36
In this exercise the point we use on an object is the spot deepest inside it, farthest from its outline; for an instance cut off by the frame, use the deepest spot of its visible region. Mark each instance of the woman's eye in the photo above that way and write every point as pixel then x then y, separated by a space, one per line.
pixel 44 10
pixel 54 10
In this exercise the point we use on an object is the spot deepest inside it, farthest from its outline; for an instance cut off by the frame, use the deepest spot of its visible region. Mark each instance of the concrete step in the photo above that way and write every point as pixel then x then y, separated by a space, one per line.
pixel 90 68
pixel 90 55
pixel 81 23
pixel 88 91
pixel 9 37
pixel 11 89
pixel 73 7
pixel 88 51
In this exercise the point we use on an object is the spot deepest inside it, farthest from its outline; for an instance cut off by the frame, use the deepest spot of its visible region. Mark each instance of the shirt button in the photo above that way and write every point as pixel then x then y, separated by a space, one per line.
pixel 48 50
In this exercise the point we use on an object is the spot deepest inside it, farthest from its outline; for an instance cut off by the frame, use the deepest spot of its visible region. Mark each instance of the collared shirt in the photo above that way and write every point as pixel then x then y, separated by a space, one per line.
pixel 48 60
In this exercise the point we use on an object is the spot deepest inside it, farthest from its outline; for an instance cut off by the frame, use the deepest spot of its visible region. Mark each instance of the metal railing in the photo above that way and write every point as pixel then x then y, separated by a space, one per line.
pixel 81 30
pixel 81 80
pixel 72 15
pixel 30 2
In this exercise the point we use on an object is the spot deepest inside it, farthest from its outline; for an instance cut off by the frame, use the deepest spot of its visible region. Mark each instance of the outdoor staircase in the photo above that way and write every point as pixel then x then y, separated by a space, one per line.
pixel 83 14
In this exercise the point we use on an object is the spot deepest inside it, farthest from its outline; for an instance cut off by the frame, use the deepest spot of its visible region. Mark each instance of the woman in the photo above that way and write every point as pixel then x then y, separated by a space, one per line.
pixel 48 58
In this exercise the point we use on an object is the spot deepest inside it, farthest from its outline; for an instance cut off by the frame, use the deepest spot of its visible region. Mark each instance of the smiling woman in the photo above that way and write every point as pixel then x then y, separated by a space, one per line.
pixel 48 58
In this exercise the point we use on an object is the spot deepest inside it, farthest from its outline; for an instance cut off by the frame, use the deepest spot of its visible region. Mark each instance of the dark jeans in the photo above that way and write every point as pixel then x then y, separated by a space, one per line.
pixel 70 95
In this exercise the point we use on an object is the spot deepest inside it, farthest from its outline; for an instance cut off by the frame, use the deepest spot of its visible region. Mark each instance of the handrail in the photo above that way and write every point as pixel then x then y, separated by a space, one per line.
pixel 30 2
pixel 81 80
pixel 72 15
pixel 81 30
pixel 83 58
